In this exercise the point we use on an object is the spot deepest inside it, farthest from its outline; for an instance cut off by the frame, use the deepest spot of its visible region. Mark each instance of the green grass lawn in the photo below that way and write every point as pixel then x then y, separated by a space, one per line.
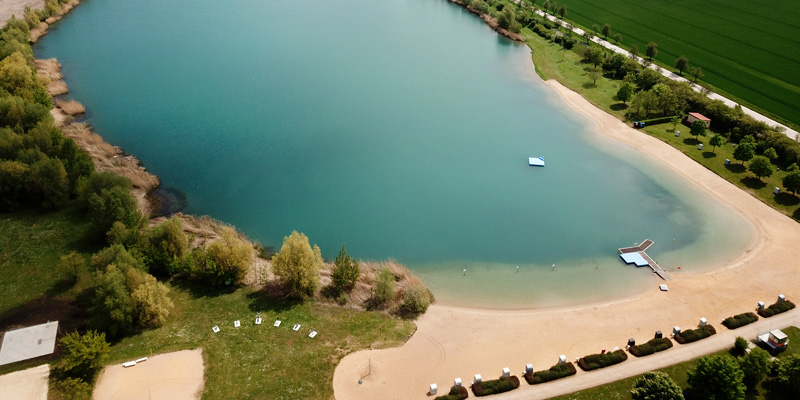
pixel 30 246
pixel 245 363
pixel 621 389
pixel 746 49
pixel 714 159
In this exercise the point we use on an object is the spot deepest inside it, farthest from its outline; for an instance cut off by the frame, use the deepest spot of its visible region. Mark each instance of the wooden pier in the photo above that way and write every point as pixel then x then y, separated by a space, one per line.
pixel 650 262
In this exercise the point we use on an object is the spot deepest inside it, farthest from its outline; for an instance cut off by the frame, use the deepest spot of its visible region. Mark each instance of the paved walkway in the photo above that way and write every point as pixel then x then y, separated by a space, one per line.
pixel 672 75
pixel 635 366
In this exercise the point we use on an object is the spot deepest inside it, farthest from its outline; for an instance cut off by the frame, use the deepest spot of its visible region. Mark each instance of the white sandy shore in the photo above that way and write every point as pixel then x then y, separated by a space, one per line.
pixel 458 342
pixel 177 375
pixel 29 384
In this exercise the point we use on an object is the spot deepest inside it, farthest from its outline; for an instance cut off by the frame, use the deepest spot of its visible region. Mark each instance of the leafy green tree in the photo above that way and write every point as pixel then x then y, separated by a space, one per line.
pixel 416 299
pixel 13 178
pixel 771 154
pixel 681 64
pixel 596 29
pixel 761 167
pixel 113 309
pixel 85 354
pixel 594 74
pixel 115 254
pixel 625 92
pixel 71 264
pixel 644 100
pixel 789 373
pixel 718 378
pixel 792 181
pixel 593 55
pixel 167 244
pixel 698 128
pixel 617 38
pixel 666 101
pixel 755 365
pixel 656 386
pixel 346 271
pixel 385 286
pixel 744 152
pixel 606 30
pixel 697 73
pixel 108 199
pixel 232 256
pixel 297 265
pixel 634 51
pixel 562 11
pixel 615 62
pixel 739 346
pixel 152 303
pixel 652 50
pixel 715 141
pixel 48 184
pixel 647 79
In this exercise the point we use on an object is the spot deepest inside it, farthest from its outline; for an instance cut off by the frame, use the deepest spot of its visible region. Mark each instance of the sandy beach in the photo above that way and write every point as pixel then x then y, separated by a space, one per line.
pixel 177 375
pixel 459 342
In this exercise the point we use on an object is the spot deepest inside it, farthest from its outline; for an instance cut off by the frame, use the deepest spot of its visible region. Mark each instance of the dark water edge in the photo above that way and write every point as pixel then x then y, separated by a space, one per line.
pixel 166 201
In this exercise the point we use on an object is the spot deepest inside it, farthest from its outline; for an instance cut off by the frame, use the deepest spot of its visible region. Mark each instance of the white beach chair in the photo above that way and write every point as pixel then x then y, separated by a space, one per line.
pixel 237 324
pixel 258 321
pixel 312 334
pixel 277 323
pixel 296 327
pixel 215 329
pixel 663 287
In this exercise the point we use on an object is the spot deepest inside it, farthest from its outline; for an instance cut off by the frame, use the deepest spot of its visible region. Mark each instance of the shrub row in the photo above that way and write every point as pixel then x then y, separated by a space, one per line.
pixel 501 385
pixel 557 371
pixel 740 320
pixel 596 361
pixel 693 335
pixel 456 393
pixel 542 31
pixel 659 120
pixel 777 308
pixel 652 346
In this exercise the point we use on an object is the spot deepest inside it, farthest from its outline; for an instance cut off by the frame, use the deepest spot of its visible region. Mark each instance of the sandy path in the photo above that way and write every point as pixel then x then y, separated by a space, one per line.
pixel 458 342
pixel 16 7
pixel 173 376
pixel 29 384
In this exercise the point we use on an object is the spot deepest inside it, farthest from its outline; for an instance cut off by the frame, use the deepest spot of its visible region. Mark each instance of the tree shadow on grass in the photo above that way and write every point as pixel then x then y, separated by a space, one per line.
pixel 736 168
pixel 753 183
pixel 267 300
pixel 690 141
pixel 787 199
pixel 589 85
pixel 203 289
pixel 60 286
pixel 708 154
pixel 619 107
pixel 796 214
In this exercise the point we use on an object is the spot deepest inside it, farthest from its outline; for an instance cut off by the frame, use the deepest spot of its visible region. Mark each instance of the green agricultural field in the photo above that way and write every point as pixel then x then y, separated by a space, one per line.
pixel 749 49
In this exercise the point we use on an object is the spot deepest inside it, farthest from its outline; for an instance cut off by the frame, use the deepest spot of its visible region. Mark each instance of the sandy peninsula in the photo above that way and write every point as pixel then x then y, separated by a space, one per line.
pixel 459 342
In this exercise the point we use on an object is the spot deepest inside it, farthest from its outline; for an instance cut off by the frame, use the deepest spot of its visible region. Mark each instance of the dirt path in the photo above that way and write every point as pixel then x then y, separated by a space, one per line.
pixel 29 384
pixel 174 376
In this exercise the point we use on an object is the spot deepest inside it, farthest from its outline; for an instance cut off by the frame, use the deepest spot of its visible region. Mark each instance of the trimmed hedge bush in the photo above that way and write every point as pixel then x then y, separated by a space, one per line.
pixel 596 361
pixel 456 393
pixel 660 120
pixel 776 308
pixel 501 385
pixel 652 346
pixel 557 371
pixel 740 320
pixel 693 335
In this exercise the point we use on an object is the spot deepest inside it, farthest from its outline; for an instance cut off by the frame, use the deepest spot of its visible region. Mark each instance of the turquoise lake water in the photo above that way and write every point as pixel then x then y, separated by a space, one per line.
pixel 401 127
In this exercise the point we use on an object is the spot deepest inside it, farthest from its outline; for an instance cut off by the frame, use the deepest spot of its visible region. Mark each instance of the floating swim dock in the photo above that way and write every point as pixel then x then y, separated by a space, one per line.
pixel 536 161
pixel 636 255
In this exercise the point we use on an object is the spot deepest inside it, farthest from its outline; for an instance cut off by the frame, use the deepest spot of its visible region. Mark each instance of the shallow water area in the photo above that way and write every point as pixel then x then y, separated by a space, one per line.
pixel 401 127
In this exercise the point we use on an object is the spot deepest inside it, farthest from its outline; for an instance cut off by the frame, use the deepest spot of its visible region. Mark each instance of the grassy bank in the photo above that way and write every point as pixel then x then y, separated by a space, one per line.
pixel 621 389
pixel 240 363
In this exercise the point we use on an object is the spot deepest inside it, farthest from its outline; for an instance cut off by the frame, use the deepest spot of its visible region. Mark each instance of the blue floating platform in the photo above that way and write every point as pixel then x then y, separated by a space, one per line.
pixel 634 258
pixel 536 161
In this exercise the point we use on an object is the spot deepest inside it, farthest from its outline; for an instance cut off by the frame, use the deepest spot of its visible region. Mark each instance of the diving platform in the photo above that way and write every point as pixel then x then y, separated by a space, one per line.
pixel 637 255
